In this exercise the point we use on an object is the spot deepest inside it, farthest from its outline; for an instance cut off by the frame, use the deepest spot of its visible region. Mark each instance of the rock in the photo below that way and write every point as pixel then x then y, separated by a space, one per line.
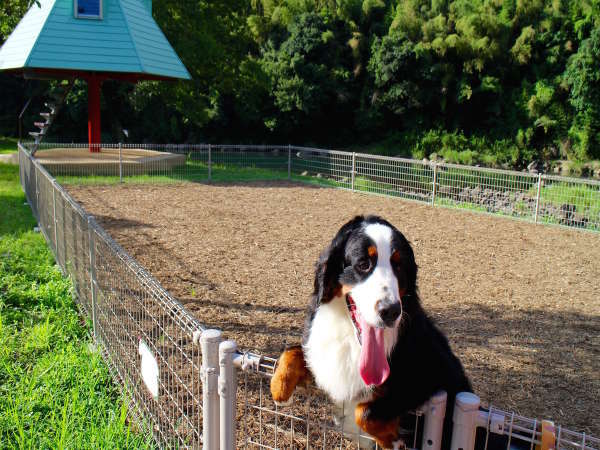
pixel 535 167
pixel 305 173
pixel 319 175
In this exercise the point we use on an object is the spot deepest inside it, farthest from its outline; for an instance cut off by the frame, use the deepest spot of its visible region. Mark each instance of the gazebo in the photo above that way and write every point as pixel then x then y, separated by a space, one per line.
pixel 93 40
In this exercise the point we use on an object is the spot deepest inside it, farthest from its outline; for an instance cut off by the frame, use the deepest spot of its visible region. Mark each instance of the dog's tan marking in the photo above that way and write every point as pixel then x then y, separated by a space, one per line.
pixel 384 432
pixel 291 371
pixel 372 251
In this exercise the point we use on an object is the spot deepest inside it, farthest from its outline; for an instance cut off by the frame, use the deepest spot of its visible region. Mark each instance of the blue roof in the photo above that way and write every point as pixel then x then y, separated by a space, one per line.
pixel 126 39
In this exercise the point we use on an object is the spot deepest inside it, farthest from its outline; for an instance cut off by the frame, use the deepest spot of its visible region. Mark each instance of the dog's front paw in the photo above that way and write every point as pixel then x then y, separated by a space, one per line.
pixel 385 432
pixel 291 370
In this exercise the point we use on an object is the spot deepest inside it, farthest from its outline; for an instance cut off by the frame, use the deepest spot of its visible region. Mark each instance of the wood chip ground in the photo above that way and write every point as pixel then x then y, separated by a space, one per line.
pixel 520 303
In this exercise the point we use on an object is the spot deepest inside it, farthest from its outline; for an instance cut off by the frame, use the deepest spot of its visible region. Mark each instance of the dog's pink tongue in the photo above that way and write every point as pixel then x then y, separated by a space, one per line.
pixel 373 366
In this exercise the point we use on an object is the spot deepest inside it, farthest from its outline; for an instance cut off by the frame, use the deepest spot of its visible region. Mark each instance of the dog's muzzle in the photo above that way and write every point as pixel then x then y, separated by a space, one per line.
pixel 389 311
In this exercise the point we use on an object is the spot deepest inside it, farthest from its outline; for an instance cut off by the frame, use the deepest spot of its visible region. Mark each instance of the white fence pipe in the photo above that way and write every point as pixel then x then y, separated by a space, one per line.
pixel 289 162
pixel 54 220
pixel 120 162
pixel 227 394
pixel 434 422
pixel 353 168
pixel 92 273
pixel 434 187
pixel 209 163
pixel 466 413
pixel 537 198
pixel 209 344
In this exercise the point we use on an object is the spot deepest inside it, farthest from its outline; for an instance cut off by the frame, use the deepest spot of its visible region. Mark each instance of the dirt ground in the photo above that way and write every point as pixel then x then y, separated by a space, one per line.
pixel 520 303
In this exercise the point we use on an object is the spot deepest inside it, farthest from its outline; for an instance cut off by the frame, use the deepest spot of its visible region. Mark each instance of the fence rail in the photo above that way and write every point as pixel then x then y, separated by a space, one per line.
pixel 538 198
pixel 183 380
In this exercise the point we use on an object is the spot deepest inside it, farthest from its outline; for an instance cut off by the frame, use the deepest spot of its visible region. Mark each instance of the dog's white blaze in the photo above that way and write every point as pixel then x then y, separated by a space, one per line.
pixel 382 282
pixel 332 352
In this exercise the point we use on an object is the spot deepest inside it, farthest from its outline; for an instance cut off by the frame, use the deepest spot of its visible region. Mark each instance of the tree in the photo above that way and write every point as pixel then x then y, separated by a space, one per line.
pixel 583 78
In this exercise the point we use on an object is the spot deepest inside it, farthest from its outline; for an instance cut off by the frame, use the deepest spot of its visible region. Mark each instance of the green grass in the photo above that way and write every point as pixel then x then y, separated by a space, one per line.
pixel 55 390
pixel 195 171
pixel 8 145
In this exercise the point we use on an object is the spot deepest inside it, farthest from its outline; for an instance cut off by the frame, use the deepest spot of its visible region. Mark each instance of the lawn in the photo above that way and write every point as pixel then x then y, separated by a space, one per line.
pixel 55 390
pixel 8 145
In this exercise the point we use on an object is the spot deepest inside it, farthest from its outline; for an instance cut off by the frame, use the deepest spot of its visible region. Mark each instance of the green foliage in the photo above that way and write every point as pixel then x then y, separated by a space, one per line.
pixel 583 78
pixel 11 12
pixel 358 72
pixel 55 391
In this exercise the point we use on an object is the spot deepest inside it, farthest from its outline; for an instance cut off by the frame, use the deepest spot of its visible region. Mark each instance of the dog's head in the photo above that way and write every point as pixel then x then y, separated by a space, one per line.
pixel 370 260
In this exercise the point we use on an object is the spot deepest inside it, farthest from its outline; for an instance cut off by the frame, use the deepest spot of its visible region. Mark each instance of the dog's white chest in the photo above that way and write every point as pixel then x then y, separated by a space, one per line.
pixel 332 352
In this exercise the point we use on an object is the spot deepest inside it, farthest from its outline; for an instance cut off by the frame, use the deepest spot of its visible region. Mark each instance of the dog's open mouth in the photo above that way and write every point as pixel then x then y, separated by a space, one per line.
pixel 353 313
pixel 373 366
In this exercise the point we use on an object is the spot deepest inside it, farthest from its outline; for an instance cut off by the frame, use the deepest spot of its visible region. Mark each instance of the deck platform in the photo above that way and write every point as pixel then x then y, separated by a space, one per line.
pixel 80 161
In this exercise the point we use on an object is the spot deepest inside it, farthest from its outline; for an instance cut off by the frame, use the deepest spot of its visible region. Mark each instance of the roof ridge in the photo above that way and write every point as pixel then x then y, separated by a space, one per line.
pixel 37 38
pixel 134 43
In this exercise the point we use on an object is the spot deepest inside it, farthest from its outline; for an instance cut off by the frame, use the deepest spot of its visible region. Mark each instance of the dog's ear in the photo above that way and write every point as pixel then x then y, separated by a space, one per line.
pixel 331 263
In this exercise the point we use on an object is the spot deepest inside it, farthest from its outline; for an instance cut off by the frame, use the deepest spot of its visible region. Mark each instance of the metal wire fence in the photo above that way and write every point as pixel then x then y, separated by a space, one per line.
pixel 132 316
pixel 183 381
pixel 538 198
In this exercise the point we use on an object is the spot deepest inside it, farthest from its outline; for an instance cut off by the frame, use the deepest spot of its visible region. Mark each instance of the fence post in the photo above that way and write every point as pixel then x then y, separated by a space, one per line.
pixel 434 421
pixel 466 411
pixel 54 219
pixel 434 190
pixel 537 197
pixel 120 162
pixel 209 163
pixel 227 394
pixel 353 168
pixel 37 196
pixel 289 162
pixel 209 345
pixel 92 273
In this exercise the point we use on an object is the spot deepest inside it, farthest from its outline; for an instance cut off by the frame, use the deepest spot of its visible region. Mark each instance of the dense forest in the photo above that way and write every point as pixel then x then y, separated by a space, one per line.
pixel 495 82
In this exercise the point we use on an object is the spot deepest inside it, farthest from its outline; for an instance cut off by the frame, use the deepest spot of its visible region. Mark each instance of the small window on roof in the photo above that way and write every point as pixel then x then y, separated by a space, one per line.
pixel 89 9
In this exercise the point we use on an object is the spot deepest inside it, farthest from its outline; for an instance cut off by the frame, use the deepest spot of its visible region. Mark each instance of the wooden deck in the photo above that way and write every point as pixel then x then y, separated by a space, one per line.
pixel 80 161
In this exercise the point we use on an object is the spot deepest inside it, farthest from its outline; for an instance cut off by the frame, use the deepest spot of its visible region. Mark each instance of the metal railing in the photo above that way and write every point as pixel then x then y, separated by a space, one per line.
pixel 538 198
pixel 132 316
pixel 184 381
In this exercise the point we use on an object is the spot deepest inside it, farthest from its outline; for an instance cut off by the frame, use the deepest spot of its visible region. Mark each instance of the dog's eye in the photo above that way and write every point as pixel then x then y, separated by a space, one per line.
pixel 364 265
pixel 396 259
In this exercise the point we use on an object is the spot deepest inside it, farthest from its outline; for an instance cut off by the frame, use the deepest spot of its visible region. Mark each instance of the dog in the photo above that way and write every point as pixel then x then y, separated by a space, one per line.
pixel 367 341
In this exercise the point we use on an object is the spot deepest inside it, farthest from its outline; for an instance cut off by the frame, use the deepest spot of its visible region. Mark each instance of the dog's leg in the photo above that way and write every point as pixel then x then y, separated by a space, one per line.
pixel 291 371
pixel 385 430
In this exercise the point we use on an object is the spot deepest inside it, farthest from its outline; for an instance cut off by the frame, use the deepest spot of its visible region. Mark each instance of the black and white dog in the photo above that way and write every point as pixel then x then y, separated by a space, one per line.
pixel 367 341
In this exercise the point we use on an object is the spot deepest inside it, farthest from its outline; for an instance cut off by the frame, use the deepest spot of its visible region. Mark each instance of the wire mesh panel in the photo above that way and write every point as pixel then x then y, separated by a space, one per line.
pixel 570 202
pixel 310 422
pixel 498 429
pixel 327 167
pixel 396 177
pixel 145 335
pixel 488 190
pixel 132 318
pixel 270 161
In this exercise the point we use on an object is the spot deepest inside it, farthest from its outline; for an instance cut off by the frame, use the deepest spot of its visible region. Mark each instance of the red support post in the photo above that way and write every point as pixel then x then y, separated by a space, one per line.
pixel 94 84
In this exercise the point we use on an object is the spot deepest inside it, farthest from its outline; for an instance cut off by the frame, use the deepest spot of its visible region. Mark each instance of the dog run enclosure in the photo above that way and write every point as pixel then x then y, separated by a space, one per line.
pixel 538 198
pixel 170 365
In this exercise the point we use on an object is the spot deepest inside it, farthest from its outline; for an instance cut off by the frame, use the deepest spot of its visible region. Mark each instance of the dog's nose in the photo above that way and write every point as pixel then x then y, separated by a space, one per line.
pixel 388 311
